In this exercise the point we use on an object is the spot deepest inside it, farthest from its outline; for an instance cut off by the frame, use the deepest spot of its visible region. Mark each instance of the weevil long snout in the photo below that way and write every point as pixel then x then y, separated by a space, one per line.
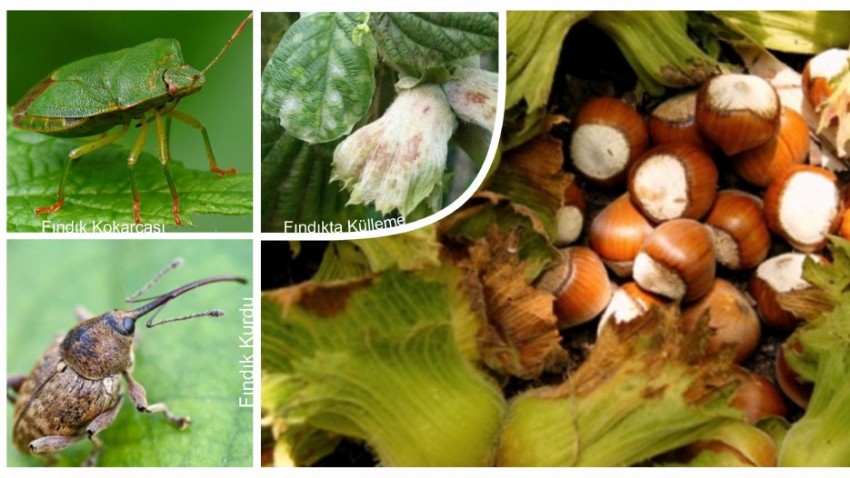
pixel 165 298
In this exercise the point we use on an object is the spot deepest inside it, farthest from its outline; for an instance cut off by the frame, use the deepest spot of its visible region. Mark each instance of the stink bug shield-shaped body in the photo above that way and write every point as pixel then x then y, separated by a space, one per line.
pixel 93 95
pixel 73 391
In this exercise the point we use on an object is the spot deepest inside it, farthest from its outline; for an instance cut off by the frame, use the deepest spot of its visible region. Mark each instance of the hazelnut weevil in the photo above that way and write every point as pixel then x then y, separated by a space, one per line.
pixel 74 392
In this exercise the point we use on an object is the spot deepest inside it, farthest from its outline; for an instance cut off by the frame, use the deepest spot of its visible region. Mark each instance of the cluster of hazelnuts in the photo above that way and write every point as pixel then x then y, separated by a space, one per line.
pixel 666 235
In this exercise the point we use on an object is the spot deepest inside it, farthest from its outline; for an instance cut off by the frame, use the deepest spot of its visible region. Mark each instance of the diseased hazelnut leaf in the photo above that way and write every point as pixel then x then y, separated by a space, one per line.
pixel 520 336
pixel 473 96
pixel 320 79
pixel 532 179
pixel 648 387
pixel 835 117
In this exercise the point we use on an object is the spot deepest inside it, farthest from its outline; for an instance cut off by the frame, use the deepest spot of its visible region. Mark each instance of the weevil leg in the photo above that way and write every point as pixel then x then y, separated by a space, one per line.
pixel 76 153
pixel 100 423
pixel 13 384
pixel 139 397
pixel 193 122
pixel 164 157
pixel 51 444
pixel 131 164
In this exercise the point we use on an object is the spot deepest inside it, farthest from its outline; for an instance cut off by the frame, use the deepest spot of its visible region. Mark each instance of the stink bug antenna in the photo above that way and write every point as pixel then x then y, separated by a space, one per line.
pixel 227 45
pixel 177 262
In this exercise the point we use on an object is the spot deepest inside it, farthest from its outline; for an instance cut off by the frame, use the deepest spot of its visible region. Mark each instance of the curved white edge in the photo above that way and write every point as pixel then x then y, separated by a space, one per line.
pixel 457 203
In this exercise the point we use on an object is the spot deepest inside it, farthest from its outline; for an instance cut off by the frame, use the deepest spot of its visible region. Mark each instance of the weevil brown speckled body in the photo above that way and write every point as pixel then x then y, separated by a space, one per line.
pixel 74 390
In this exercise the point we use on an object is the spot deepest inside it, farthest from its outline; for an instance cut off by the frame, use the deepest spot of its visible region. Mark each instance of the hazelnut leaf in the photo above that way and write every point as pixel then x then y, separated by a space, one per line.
pixel 414 250
pixel 534 46
pixel 790 31
pixel 295 183
pixel 819 352
pixel 319 80
pixel 520 334
pixel 415 42
pixel 376 359
pixel 648 386
pixel 98 189
pixel 531 177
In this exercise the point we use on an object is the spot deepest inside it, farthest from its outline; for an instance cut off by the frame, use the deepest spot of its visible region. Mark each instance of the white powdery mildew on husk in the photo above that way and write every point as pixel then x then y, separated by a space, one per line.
pixel 473 96
pixel 396 161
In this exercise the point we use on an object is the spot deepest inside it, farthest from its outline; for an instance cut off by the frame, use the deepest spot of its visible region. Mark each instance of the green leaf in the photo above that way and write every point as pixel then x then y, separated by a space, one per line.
pixel 659 49
pixel 534 46
pixel 98 187
pixel 296 184
pixel 192 366
pixel 828 414
pixel 414 250
pixel 416 42
pixel 819 352
pixel 646 388
pixel 320 79
pixel 376 359
pixel 794 32
pixel 832 278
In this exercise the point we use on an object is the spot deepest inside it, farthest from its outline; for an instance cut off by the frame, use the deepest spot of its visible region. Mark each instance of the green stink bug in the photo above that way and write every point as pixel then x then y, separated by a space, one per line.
pixel 92 96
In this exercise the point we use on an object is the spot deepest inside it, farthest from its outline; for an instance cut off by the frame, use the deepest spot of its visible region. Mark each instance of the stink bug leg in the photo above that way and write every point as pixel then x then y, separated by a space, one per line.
pixel 131 163
pixel 191 121
pixel 164 157
pixel 82 150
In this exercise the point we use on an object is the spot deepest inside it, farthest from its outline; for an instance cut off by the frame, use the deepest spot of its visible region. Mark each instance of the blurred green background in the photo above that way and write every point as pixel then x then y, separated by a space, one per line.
pixel 42 41
pixel 192 366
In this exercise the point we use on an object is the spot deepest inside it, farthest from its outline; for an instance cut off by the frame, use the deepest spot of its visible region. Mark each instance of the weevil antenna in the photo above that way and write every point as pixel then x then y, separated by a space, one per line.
pixel 209 313
pixel 163 299
pixel 177 262
pixel 227 45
